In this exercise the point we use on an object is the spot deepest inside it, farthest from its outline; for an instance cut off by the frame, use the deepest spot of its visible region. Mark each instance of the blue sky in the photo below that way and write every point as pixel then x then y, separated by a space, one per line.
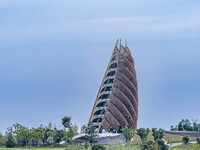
pixel 53 55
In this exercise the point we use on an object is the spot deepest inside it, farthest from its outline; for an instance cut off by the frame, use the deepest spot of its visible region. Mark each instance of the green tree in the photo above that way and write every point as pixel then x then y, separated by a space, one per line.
pixel 185 140
pixel 2 139
pixel 90 135
pixel 198 140
pixel 58 136
pixel 36 136
pixel 128 133
pixel 22 134
pixel 161 144
pixel 83 128
pixel 142 133
pixel 157 134
pixel 66 122
pixel 10 141
pixel 70 129
pixel 47 134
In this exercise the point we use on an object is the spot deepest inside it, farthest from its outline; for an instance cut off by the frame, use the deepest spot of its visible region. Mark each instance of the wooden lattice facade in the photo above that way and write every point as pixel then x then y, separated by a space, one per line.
pixel 116 105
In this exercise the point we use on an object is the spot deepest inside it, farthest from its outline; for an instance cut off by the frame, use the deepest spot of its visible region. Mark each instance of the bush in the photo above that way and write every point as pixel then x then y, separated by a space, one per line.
pixel 128 133
pixel 98 147
pixel 186 140
pixel 198 140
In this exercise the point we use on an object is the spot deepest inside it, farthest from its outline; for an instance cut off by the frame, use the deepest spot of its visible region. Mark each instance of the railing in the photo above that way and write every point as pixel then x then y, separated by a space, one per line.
pixel 99 108
pixel 114 61
pixel 106 85
pixel 103 100
pixel 111 69
pixel 97 116
pixel 96 124
pixel 109 77
pixel 105 92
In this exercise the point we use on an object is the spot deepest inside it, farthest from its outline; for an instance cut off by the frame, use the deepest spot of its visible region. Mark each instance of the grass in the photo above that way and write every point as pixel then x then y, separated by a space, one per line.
pixel 187 147
pixel 42 148
pixel 176 138
pixel 134 146
pixel 168 137
pixel 110 147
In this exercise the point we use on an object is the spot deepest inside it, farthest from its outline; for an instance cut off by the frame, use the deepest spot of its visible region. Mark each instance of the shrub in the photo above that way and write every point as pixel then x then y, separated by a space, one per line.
pixel 98 147
pixel 128 133
pixel 198 140
pixel 186 140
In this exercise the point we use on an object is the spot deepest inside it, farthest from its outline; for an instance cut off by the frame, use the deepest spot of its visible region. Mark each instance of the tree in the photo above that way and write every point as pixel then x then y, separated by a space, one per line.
pixel 172 128
pixel 90 135
pixel 2 139
pixel 157 134
pixel 22 134
pixel 66 122
pixel 161 144
pixel 47 134
pixel 83 128
pixel 198 140
pixel 10 142
pixel 58 135
pixel 70 129
pixel 142 133
pixel 128 133
pixel 36 136
pixel 185 140
pixel 185 125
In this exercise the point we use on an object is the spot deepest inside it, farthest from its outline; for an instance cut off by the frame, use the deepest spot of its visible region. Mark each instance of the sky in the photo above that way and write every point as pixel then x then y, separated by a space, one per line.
pixel 53 55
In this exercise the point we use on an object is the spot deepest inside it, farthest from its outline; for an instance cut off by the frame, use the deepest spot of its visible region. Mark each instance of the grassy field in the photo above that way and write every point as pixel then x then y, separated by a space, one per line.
pixel 111 147
pixel 188 147
pixel 52 148
pixel 168 137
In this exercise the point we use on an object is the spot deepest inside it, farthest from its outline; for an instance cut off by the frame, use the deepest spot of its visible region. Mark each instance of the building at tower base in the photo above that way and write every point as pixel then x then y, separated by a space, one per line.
pixel 116 104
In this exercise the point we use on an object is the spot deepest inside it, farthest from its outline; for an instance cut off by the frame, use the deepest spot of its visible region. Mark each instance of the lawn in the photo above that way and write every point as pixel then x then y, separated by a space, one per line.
pixel 170 138
pixel 188 147
pixel 42 148
pixel 112 147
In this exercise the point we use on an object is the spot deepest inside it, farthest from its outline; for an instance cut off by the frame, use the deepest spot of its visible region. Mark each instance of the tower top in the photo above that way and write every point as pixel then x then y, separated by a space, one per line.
pixel 119 47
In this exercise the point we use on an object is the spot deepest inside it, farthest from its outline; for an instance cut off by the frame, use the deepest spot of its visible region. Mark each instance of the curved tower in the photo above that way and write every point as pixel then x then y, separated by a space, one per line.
pixel 116 105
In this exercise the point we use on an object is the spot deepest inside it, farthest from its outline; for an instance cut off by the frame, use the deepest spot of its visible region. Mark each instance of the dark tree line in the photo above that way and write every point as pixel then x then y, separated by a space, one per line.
pixel 44 135
pixel 186 125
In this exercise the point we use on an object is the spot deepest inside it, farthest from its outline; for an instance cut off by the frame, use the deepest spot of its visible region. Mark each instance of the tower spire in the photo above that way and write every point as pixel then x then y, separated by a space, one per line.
pixel 116 43
pixel 120 44
pixel 126 42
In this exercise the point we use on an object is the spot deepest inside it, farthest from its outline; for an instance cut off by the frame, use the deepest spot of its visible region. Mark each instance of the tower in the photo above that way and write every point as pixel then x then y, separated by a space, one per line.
pixel 116 104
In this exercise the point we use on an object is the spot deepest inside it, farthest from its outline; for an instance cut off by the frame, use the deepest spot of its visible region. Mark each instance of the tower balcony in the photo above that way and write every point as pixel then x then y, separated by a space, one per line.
pixel 111 69
pixel 100 108
pixel 97 116
pixel 107 85
pixel 96 124
pixel 114 61
pixel 105 92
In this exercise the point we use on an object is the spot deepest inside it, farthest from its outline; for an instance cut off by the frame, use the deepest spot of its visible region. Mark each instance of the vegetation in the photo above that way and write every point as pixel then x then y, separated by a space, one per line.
pixel 198 140
pixel 90 137
pixel 189 147
pixel 185 140
pixel 128 133
pixel 51 137
pixel 20 136
pixel 143 133
pixel 186 125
